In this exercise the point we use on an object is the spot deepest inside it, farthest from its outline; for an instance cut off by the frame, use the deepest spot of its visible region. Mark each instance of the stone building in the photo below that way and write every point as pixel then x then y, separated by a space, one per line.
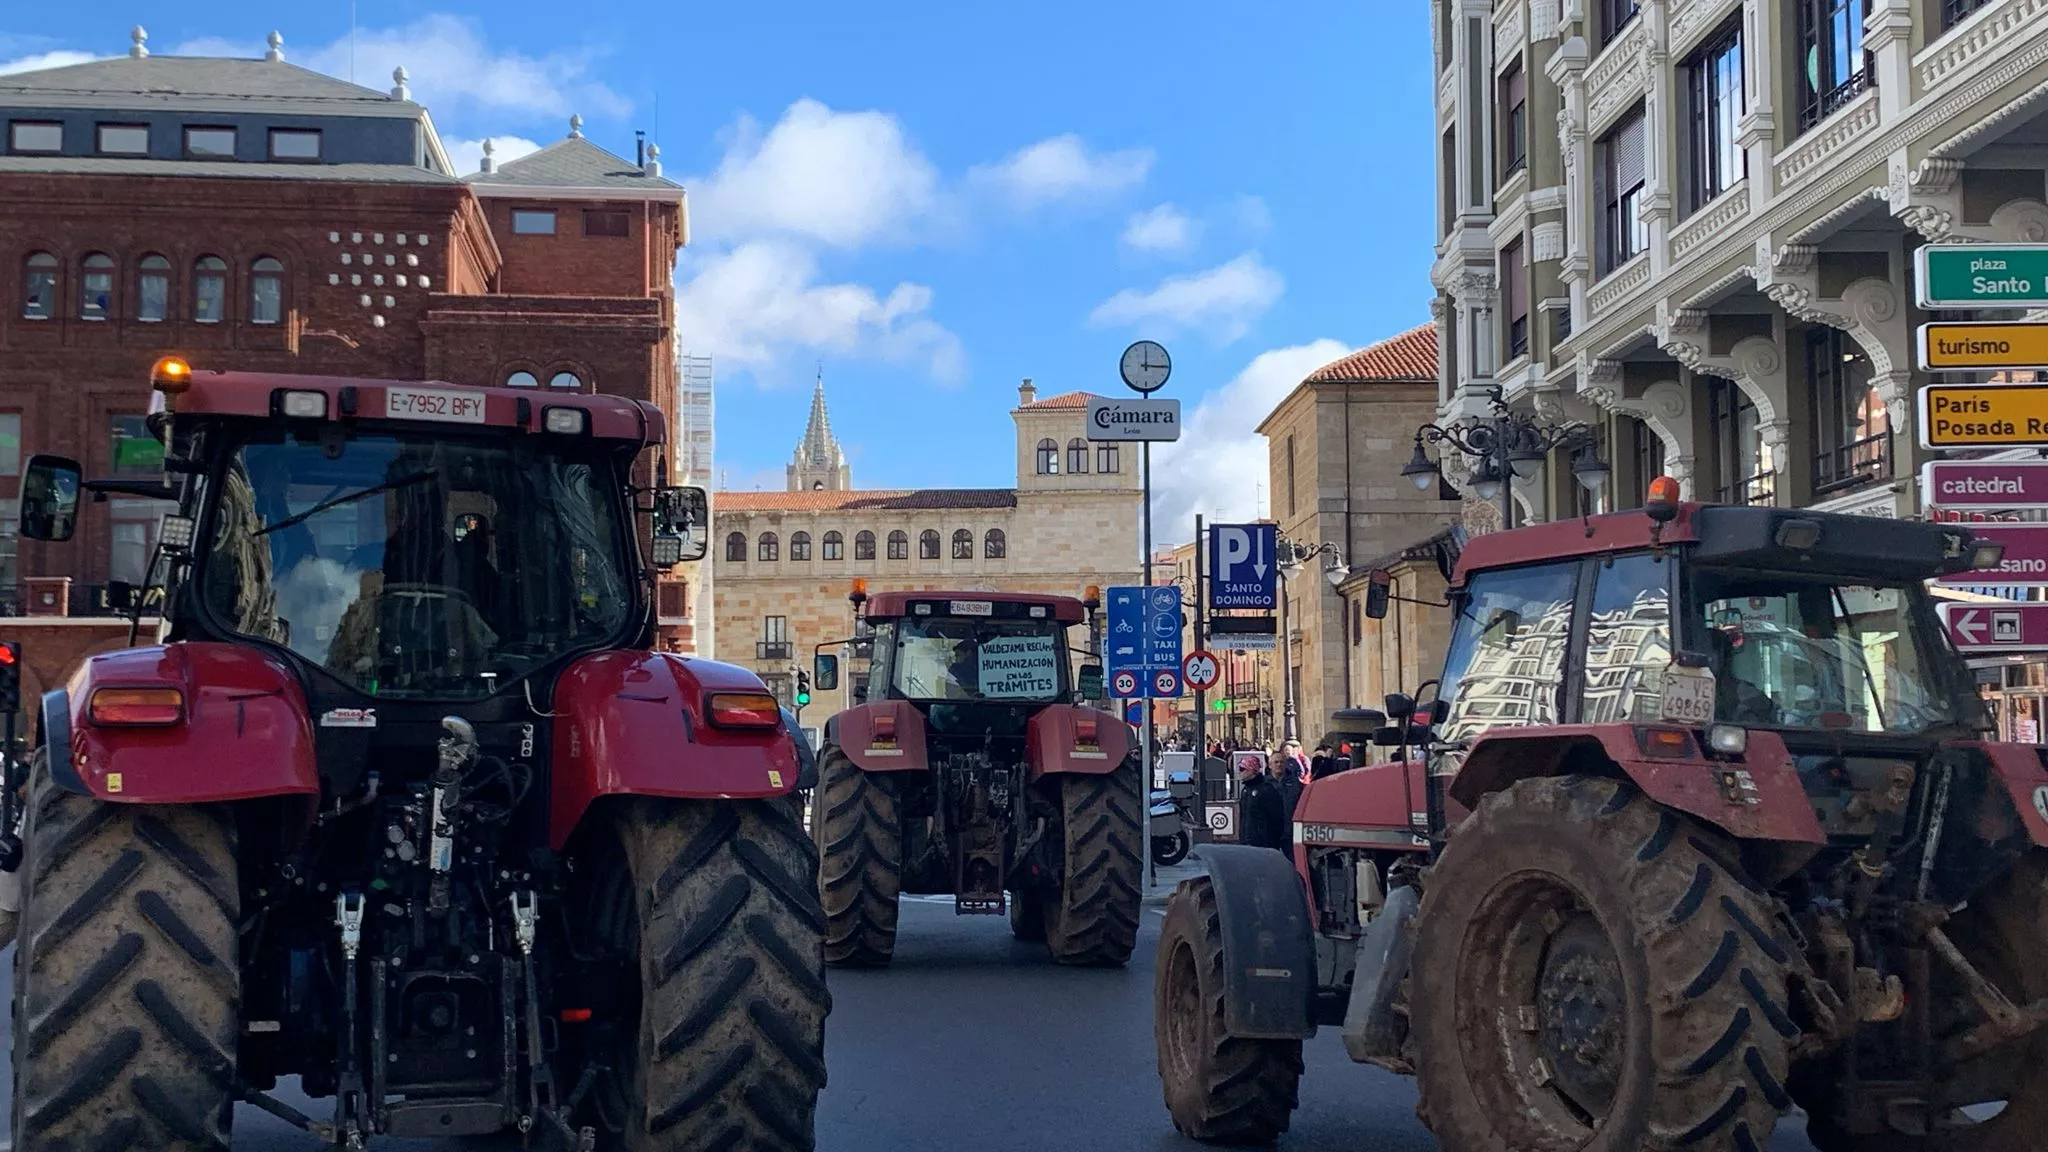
pixel 783 562
pixel 1406 647
pixel 1336 445
pixel 256 215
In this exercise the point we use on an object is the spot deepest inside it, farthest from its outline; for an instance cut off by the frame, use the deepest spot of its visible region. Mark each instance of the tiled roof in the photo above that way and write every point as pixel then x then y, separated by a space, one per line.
pixel 171 81
pixel 1063 400
pixel 877 500
pixel 573 162
pixel 1410 356
pixel 140 166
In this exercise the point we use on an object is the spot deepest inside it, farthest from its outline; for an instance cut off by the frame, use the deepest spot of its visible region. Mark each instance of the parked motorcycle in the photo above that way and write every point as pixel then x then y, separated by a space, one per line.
pixel 1174 819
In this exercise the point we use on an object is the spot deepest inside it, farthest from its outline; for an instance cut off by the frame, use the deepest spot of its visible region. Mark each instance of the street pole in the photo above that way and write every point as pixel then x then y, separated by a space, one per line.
pixel 1145 774
pixel 1201 695
pixel 1286 669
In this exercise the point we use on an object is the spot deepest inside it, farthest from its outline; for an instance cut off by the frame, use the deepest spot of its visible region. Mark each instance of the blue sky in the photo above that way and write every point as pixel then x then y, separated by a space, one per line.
pixel 938 199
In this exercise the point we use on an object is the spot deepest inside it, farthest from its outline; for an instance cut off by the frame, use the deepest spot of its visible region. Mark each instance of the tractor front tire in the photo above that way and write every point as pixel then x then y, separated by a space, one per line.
pixel 1219 1088
pixel 127 986
pixel 1595 971
pixel 732 974
pixel 859 832
pixel 1094 919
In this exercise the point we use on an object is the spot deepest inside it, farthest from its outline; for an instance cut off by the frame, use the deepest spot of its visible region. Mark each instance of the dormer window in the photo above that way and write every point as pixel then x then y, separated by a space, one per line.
pixel 294 144
pixel 124 139
pixel 209 143
pixel 35 136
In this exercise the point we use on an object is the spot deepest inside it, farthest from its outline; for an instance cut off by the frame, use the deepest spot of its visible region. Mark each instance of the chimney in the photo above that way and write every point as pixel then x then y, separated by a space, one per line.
pixel 639 149
pixel 653 165
pixel 1026 393
pixel 276 53
pixel 138 42
pixel 488 149
pixel 399 91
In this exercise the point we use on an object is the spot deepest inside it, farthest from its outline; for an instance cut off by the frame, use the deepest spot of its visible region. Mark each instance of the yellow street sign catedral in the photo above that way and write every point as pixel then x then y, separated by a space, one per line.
pixel 1984 416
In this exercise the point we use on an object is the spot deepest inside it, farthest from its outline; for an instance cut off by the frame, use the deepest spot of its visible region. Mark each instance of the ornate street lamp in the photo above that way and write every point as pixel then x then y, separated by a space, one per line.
pixel 1507 446
pixel 1293 559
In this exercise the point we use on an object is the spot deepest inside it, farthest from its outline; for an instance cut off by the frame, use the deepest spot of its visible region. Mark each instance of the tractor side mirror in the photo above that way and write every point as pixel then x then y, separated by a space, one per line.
pixel 1399 706
pixel 682 525
pixel 1088 682
pixel 824 672
pixel 1439 711
pixel 50 488
pixel 1378 590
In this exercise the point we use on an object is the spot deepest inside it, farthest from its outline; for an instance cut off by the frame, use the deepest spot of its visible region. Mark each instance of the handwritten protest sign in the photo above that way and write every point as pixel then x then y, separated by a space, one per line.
pixel 1019 668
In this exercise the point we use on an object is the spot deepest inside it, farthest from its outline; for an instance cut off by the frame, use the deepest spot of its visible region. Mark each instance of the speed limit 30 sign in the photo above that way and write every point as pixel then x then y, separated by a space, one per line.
pixel 1201 670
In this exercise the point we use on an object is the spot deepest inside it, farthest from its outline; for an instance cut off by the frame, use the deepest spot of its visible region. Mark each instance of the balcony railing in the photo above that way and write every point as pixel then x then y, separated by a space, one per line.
pixel 773 650
pixel 1818 107
pixel 1853 465
pixel 1761 488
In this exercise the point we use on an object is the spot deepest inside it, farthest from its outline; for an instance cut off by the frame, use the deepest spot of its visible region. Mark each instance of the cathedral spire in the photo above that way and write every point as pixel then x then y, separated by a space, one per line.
pixel 818 463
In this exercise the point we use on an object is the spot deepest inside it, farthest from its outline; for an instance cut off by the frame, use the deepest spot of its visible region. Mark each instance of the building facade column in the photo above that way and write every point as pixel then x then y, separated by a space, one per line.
pixel 1756 364
pixel 1660 159
pixel 1757 132
pixel 1567 69
pixel 1888 37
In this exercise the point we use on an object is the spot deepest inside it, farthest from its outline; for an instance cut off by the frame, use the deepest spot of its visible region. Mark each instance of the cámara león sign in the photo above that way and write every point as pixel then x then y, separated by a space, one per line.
pixel 1133 419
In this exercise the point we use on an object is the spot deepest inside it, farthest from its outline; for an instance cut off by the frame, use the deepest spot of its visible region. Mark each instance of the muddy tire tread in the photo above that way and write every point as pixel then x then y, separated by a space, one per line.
pixel 859 833
pixel 1093 921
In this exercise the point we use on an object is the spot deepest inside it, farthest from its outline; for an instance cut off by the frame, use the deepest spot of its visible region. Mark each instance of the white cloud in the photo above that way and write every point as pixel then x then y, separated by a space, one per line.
pixel 1161 229
pixel 41 60
pixel 1063 168
pixel 467 155
pixel 756 304
pixel 451 69
pixel 1219 466
pixel 839 178
pixel 1222 301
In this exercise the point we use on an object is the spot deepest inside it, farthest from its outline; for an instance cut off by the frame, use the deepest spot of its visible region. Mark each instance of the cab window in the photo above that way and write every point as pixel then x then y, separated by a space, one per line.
pixel 1506 660
pixel 1628 639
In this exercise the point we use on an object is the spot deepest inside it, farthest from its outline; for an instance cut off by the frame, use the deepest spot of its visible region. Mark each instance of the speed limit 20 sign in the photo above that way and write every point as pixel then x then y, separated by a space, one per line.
pixel 1201 670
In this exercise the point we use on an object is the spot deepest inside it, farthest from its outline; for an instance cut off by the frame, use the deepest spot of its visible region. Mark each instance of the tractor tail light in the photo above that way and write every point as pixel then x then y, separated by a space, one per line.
pixel 1084 732
pixel 743 710
pixel 885 729
pixel 137 707
pixel 1665 743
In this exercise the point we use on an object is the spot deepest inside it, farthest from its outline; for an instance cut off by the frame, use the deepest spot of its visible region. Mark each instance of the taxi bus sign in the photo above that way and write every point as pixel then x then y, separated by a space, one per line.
pixel 1983 346
pixel 1984 416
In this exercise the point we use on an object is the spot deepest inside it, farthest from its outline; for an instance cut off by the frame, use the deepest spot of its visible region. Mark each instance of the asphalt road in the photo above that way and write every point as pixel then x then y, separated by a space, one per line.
pixel 972 1040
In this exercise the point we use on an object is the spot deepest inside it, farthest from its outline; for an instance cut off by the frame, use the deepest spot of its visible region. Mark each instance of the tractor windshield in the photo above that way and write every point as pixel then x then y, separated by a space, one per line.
pixel 410 565
pixel 1006 661
pixel 1798 651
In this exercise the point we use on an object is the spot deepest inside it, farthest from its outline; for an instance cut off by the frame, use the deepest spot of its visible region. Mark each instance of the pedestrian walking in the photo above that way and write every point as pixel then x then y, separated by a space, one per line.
pixel 1261 812
pixel 1286 775
pixel 1323 763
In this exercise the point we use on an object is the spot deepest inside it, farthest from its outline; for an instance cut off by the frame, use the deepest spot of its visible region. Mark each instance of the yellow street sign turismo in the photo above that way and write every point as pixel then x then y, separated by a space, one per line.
pixel 1981 346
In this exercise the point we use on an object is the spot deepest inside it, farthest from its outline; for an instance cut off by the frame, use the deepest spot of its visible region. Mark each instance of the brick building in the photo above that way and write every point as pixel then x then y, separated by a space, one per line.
pixel 784 561
pixel 256 215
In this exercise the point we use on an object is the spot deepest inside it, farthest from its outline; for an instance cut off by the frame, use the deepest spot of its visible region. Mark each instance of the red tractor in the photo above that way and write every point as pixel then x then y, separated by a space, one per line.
pixel 968 767
pixel 402 804
pixel 1705 825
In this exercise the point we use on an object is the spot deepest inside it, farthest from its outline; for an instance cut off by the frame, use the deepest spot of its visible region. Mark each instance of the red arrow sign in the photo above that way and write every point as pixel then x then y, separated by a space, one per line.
pixel 2026 556
pixel 1995 627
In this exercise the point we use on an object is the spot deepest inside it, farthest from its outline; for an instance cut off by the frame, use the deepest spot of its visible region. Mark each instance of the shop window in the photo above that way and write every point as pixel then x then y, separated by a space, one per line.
pixel 153 289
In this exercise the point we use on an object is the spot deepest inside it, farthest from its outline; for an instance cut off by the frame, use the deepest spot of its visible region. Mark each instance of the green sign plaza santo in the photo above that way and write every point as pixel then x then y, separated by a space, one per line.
pixel 1982 275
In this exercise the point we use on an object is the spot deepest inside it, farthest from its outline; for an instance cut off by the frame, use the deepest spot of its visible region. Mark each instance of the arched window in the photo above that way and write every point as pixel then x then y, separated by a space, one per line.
pixel 266 290
pixel 153 289
pixel 864 545
pixel 770 547
pixel 209 290
pixel 800 546
pixel 524 379
pixel 567 381
pixel 963 545
pixel 96 287
pixel 995 545
pixel 1077 455
pixel 833 546
pixel 928 544
pixel 39 286
pixel 1048 457
pixel 899 546
pixel 1106 458
pixel 736 548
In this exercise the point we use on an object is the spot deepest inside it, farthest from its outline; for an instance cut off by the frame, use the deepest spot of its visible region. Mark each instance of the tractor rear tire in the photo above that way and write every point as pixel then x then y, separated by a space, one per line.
pixel 1027 915
pixel 1094 919
pixel 1596 971
pixel 1219 1088
pixel 2003 933
pixel 127 986
pixel 732 974
pixel 859 832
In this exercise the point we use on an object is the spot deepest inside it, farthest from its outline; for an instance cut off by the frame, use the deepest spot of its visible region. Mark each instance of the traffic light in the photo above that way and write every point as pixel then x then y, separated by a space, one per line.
pixel 803 689
pixel 10 677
